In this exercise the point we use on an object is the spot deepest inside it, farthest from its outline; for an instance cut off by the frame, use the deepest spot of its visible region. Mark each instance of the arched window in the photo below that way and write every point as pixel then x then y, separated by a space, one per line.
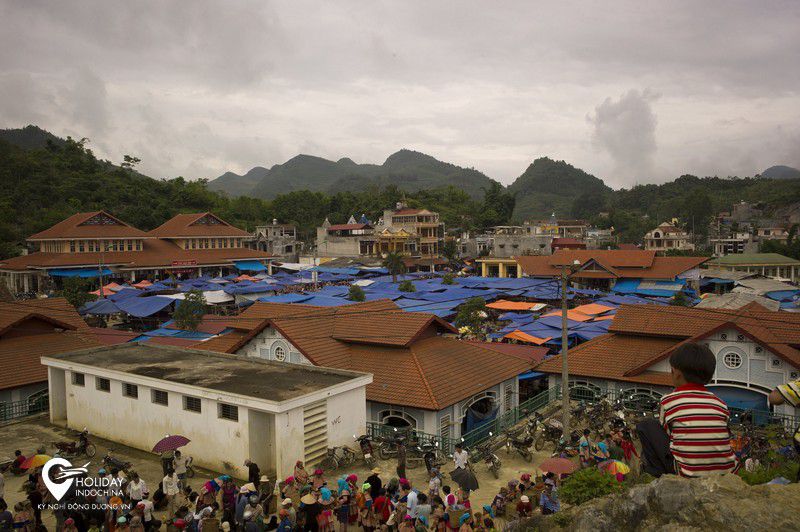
pixel 640 399
pixel 396 418
pixel 584 391
pixel 732 360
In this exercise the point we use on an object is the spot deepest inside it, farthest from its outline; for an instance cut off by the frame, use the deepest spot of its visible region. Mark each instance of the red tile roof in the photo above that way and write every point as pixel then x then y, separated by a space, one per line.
pixel 643 335
pixel 192 225
pixel 35 328
pixel 79 226
pixel 610 264
pixel 528 353
pixel 155 253
pixel 411 364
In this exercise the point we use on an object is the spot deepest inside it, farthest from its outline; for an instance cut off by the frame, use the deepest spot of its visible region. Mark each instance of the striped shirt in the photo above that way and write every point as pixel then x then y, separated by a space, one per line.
pixel 791 394
pixel 696 421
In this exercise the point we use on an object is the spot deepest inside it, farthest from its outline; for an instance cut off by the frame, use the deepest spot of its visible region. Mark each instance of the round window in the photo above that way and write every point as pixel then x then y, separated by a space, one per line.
pixel 732 360
pixel 280 354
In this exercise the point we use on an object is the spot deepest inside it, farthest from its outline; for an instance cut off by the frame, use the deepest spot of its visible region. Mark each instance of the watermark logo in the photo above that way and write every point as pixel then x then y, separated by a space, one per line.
pixel 60 483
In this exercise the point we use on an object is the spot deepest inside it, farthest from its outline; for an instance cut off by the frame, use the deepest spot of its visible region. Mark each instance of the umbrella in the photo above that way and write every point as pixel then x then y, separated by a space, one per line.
pixel 559 466
pixel 170 443
pixel 614 467
pixel 37 460
pixel 465 479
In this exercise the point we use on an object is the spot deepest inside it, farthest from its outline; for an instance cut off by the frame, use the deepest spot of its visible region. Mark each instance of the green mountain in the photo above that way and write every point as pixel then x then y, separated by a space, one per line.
pixel 30 137
pixel 409 170
pixel 781 172
pixel 549 186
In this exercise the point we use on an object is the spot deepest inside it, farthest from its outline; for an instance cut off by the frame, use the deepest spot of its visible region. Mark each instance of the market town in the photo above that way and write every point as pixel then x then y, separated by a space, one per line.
pixel 233 381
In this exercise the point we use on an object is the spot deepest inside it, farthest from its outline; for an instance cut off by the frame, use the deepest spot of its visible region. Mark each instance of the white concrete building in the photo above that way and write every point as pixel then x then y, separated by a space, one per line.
pixel 231 407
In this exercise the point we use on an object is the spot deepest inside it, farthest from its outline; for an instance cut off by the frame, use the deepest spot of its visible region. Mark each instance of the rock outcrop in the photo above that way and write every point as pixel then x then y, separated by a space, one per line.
pixel 674 503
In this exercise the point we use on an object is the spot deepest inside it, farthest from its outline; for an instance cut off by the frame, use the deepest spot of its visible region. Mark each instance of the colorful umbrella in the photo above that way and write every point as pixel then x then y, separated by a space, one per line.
pixel 37 460
pixel 170 443
pixel 614 467
pixel 559 466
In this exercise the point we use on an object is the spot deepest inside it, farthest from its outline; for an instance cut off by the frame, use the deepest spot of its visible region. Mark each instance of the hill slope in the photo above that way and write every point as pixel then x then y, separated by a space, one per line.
pixel 30 137
pixel 408 170
pixel 549 186
pixel 781 172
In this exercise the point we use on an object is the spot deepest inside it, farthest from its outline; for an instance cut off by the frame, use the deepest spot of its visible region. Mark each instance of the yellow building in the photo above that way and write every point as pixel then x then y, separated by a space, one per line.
pixel 499 267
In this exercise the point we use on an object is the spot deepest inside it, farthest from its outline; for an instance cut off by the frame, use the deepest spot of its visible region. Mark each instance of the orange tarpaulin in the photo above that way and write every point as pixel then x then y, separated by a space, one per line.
pixel 502 304
pixel 527 338
pixel 144 283
pixel 245 277
pixel 108 289
pixel 593 309
pixel 602 318
pixel 573 315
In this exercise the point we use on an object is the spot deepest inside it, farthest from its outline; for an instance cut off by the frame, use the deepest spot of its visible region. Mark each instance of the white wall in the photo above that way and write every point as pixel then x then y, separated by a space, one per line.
pixel 141 423
pixel 347 416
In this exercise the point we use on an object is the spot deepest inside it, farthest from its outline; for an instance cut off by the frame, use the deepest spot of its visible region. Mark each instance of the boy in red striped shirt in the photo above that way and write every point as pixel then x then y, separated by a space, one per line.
pixel 695 419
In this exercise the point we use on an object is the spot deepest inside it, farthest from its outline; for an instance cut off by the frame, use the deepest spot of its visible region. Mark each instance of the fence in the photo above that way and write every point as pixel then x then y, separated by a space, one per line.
pixel 28 407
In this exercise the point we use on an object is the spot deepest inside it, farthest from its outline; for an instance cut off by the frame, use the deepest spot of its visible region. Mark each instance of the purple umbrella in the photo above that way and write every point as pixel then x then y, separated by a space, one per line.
pixel 170 443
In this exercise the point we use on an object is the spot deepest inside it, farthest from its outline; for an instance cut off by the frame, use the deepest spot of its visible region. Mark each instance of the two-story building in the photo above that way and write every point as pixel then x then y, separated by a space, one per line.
pixel 278 240
pixel 756 350
pixel 91 244
pixel 424 377
pixel 668 237
pixel 558 228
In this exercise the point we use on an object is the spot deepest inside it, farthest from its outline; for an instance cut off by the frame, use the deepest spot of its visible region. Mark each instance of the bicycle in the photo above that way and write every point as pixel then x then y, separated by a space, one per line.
pixel 337 457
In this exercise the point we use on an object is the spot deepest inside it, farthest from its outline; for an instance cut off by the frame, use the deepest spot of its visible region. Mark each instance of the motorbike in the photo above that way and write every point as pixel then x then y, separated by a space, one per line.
pixel 551 432
pixel 365 443
pixel 71 448
pixel 484 453
pixel 388 444
pixel 523 441
pixel 112 462
pixel 568 449
pixel 431 454
pixel 189 467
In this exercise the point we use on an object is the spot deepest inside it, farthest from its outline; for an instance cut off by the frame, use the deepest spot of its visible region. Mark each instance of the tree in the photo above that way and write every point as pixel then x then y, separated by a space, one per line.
pixel 356 293
pixel 680 300
pixel 497 205
pixel 129 162
pixel 190 310
pixel 407 286
pixel 76 291
pixel 393 262
pixel 448 279
pixel 471 315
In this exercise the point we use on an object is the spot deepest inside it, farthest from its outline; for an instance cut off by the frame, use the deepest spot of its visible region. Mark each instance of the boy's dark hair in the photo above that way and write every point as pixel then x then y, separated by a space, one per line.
pixel 696 362
pixel 422 498
pixel 17 452
pixel 586 432
pixel 446 490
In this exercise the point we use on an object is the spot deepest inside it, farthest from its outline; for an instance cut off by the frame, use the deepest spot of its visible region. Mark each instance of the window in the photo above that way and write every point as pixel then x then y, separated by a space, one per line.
pixel 229 412
pixel 508 396
pixel 759 349
pixel 444 428
pixel 723 336
pixel 130 390
pixel 776 362
pixel 793 375
pixel 732 360
pixel 160 397
pixel 192 404
pixel 130 245
pixel 104 385
pixel 81 247
pixel 78 379
pixel 72 246
pixel 280 354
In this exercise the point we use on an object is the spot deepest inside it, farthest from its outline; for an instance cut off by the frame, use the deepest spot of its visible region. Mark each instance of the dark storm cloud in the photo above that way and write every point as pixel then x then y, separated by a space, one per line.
pixel 202 87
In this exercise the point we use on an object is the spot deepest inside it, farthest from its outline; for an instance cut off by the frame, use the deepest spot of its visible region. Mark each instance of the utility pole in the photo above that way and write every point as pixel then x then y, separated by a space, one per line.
pixel 564 348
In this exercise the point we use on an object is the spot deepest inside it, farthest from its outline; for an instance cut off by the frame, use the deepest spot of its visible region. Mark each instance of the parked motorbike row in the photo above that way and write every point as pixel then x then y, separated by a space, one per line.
pixel 84 447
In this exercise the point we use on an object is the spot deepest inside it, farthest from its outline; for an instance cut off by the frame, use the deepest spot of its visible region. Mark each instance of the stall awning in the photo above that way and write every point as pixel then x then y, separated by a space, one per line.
pixel 78 272
pixel 249 266
pixel 530 375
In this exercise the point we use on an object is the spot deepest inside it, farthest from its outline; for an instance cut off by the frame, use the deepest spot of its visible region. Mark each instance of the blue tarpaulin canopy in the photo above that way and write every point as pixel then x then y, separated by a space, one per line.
pixel 141 307
pixel 530 375
pixel 77 272
pixel 101 307
pixel 249 266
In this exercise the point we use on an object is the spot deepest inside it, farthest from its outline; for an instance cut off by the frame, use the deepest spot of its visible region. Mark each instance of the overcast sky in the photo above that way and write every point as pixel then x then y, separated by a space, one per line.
pixel 632 92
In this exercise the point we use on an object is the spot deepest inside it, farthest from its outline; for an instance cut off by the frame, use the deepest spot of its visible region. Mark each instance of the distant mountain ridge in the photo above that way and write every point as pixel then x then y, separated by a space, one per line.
pixel 781 172
pixel 30 137
pixel 407 169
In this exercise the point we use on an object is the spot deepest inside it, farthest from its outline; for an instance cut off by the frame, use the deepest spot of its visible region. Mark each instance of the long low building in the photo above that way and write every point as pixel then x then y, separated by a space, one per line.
pixel 90 244
pixel 756 350
pixel 230 407
pixel 423 378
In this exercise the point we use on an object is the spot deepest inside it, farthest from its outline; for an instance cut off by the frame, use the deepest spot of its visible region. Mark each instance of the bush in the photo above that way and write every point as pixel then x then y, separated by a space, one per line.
pixel 588 484
pixel 356 293
pixel 190 310
pixel 76 291
pixel 407 286
pixel 777 468
pixel 562 520
pixel 448 279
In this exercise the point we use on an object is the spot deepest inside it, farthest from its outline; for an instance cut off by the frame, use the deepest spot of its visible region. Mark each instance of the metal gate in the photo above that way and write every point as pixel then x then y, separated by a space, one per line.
pixel 315 431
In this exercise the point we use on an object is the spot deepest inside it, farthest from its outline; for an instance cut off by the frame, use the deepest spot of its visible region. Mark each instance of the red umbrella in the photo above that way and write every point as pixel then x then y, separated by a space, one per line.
pixel 559 466
pixel 170 443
